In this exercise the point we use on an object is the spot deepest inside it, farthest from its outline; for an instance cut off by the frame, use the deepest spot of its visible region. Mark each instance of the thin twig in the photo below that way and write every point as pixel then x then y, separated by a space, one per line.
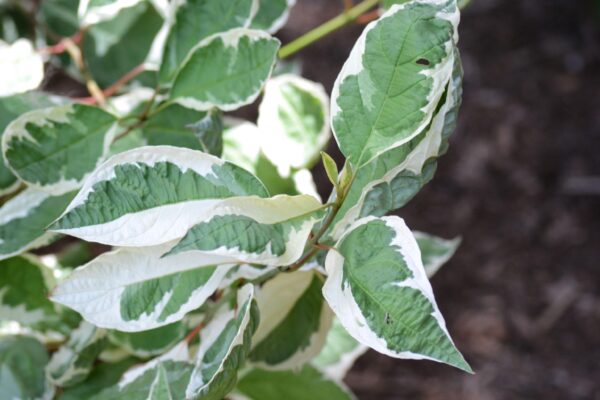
pixel 141 119
pixel 325 29
pixel 74 50
pixel 61 46
pixel 322 246
pixel 115 87
pixel 313 244
pixel 368 17
pixel 210 313
pixel 306 258
pixel 194 332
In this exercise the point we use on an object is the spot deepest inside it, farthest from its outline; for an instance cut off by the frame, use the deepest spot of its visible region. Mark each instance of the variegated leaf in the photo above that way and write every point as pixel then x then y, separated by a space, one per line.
pixel 293 121
pixel 172 126
pixel 399 66
pixel 388 3
pixel 248 272
pixel 270 231
pixel 178 126
pixel 209 131
pixel 272 14
pixel 339 353
pixel 196 20
pixel 55 148
pixel 241 145
pixel 135 289
pixel 112 354
pixel 24 286
pixel 295 320
pixel 154 58
pixel 12 107
pixel 305 383
pixel 74 360
pixel 21 68
pixel 94 11
pixel 129 103
pixel 104 375
pixel 435 251
pixel 163 378
pixel 224 345
pixel 60 16
pixel 152 195
pixel 117 45
pixel 132 140
pixel 24 219
pixel 225 70
pixel 22 361
pixel 251 272
pixel 151 342
pixel 393 178
pixel 379 290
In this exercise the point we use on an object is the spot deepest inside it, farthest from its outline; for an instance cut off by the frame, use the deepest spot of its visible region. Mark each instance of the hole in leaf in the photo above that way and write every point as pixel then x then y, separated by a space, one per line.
pixel 423 61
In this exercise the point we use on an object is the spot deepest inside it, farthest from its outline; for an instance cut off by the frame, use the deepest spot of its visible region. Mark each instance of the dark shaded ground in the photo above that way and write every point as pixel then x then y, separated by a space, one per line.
pixel 522 295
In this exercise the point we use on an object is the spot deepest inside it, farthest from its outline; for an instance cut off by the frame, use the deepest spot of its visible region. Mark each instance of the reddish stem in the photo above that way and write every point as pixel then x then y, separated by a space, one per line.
pixel 322 246
pixel 61 46
pixel 367 17
pixel 114 88
pixel 86 100
pixel 195 332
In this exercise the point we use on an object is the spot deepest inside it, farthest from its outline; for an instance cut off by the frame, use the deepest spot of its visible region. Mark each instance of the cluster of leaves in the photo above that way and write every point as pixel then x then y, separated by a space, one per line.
pixel 228 276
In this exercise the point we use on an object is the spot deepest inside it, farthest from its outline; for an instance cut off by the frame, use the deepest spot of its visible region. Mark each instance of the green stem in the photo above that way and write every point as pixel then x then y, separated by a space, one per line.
pixel 314 241
pixel 140 119
pixel 325 29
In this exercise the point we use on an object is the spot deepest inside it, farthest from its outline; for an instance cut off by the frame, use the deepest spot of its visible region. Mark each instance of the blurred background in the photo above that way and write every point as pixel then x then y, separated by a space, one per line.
pixel 521 184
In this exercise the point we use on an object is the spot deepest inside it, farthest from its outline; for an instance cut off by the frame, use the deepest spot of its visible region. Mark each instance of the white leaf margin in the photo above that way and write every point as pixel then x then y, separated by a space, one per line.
pixel 242 147
pixel 273 210
pixel 211 333
pixel 441 73
pixel 95 290
pixel 19 207
pixel 278 23
pixel 20 313
pixel 340 297
pixel 285 152
pixel 43 117
pixel 229 38
pixel 179 352
pixel 338 370
pixel 275 299
pixel 21 67
pixel 451 245
pixel 83 336
pixel 152 226
pixel 90 15
pixel 428 147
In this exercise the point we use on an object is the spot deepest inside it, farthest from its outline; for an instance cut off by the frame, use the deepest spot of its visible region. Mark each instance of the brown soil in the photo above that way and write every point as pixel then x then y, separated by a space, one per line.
pixel 521 184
